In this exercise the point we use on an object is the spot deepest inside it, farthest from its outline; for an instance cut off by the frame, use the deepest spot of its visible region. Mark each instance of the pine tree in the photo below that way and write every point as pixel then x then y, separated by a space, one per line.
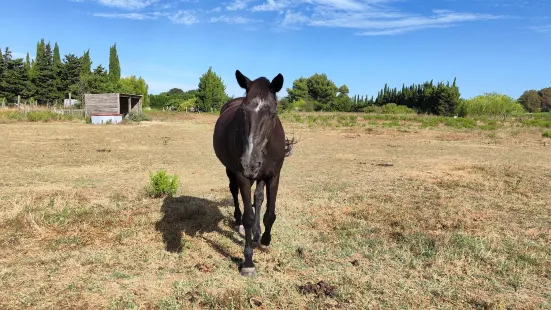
pixel 86 64
pixel 70 74
pixel 57 67
pixel 211 93
pixel 57 55
pixel 1 73
pixel 45 80
pixel 114 65
pixel 28 65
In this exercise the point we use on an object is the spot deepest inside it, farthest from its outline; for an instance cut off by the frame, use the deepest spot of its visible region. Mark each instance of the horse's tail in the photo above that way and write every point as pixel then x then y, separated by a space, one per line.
pixel 289 146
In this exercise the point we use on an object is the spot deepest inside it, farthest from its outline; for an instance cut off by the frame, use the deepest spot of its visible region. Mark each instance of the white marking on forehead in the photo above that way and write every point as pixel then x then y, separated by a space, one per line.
pixel 260 104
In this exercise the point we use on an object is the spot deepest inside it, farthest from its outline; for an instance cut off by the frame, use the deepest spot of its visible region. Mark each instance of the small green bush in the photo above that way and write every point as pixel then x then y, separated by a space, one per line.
pixel 489 104
pixel 546 134
pixel 372 109
pixel 12 115
pixel 432 121
pixel 162 184
pixel 537 123
pixel 139 117
pixel 460 122
pixel 389 108
pixel 39 116
pixel 393 108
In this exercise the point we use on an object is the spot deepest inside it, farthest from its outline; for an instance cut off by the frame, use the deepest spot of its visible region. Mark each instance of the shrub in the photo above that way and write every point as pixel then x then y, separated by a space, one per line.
pixel 139 117
pixel 460 122
pixel 393 108
pixel 187 105
pixel 389 108
pixel 39 116
pixel 546 134
pixel 372 109
pixel 489 104
pixel 162 184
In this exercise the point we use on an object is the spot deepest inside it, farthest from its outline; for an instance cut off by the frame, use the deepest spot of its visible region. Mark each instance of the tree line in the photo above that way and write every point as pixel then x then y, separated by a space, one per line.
pixel 209 95
pixel 48 78
pixel 319 93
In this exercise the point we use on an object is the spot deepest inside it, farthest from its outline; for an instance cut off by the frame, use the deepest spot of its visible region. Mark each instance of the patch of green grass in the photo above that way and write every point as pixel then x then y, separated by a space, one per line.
pixel 37 116
pixel 391 124
pixel 347 120
pixel 139 117
pixel 389 108
pixel 537 122
pixel 546 134
pixel 460 122
pixel 432 121
pixel 162 184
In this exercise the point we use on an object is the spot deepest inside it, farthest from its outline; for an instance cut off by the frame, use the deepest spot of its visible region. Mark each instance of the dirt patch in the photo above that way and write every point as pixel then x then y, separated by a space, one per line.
pixel 206 268
pixel 319 289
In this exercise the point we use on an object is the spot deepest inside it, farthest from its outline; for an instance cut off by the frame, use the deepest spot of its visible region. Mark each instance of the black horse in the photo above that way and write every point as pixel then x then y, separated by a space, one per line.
pixel 250 142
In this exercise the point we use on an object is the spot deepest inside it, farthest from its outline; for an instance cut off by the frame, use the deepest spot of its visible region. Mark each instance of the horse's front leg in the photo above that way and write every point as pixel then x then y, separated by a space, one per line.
pixel 258 199
pixel 272 186
pixel 248 268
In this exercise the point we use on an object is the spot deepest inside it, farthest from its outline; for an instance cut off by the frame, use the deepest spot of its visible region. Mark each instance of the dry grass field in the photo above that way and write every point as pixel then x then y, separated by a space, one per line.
pixel 382 217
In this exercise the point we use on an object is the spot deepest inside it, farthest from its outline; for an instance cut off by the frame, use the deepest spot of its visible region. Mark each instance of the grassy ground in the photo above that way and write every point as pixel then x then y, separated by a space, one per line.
pixel 395 217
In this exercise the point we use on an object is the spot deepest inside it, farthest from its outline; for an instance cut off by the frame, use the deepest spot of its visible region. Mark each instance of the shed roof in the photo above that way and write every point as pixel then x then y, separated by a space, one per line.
pixel 119 94
pixel 130 95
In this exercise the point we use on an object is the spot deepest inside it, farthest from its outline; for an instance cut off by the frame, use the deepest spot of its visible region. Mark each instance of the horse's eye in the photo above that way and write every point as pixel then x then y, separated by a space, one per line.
pixel 273 115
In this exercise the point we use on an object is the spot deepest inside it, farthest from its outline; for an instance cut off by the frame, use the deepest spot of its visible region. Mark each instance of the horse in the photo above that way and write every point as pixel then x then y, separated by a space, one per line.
pixel 250 142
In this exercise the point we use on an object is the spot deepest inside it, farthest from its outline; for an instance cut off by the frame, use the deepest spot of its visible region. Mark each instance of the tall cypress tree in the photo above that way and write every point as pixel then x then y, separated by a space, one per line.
pixel 28 64
pixel 114 65
pixel 45 80
pixel 57 56
pixel 1 73
pixel 57 66
pixel 86 64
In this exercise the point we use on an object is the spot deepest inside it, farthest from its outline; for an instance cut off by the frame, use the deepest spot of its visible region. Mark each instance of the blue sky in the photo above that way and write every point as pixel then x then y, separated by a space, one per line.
pixel 489 45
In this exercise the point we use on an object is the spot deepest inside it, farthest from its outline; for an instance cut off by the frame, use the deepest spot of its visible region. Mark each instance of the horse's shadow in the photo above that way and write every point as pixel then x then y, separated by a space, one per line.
pixel 194 216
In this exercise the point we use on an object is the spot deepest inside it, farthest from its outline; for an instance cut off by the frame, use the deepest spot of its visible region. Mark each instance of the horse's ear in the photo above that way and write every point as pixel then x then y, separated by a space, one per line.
pixel 242 80
pixel 277 83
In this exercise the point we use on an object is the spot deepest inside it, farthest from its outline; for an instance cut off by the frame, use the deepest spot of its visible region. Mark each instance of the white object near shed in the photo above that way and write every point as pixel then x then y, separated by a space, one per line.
pixel 106 118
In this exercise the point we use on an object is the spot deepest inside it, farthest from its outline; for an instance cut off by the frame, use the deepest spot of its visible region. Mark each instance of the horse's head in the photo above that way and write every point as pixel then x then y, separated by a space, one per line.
pixel 257 115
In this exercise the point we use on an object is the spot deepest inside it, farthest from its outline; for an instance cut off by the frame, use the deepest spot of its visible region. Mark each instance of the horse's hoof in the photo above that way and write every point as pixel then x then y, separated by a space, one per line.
pixel 240 229
pixel 263 247
pixel 248 271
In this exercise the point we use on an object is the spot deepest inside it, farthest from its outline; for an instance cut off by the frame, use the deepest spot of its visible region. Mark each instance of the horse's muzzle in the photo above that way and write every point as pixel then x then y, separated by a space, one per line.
pixel 250 171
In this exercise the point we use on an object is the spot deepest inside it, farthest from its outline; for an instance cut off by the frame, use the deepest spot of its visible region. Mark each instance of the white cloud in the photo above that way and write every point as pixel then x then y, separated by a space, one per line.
pixel 185 17
pixel 128 4
pixel 271 5
pixel 369 17
pixel 232 19
pixel 292 18
pixel 542 29
pixel 237 5
pixel 366 17
pixel 135 16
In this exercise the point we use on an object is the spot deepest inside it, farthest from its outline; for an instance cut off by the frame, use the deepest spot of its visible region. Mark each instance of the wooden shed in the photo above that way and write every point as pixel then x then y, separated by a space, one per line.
pixel 114 103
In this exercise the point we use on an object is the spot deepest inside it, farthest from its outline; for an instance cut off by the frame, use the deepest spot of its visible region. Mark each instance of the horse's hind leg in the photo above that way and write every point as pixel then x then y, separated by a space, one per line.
pixel 234 189
pixel 258 199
